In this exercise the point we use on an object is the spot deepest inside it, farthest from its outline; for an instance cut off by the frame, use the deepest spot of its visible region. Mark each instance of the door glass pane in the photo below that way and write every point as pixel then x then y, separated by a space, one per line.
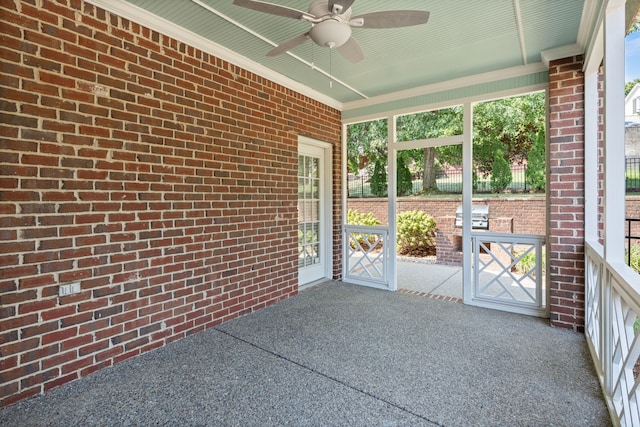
pixel 308 211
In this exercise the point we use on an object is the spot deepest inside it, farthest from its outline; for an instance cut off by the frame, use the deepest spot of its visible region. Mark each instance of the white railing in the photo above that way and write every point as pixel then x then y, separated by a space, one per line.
pixel 508 273
pixel 612 328
pixel 366 255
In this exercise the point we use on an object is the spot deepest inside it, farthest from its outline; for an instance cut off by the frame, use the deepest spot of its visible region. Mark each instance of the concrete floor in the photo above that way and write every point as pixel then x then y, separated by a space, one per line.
pixel 340 354
pixel 430 279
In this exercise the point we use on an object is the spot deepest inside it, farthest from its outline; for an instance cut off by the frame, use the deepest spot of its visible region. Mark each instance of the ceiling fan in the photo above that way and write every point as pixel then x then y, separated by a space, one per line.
pixel 331 23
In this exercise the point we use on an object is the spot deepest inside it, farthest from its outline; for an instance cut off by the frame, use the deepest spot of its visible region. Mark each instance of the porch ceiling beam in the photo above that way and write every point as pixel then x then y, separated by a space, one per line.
pixel 523 48
pixel 491 76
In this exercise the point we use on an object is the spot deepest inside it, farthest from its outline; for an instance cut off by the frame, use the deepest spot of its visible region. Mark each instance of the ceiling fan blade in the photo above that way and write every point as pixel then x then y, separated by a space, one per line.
pixel 344 5
pixel 273 9
pixel 288 45
pixel 351 50
pixel 391 19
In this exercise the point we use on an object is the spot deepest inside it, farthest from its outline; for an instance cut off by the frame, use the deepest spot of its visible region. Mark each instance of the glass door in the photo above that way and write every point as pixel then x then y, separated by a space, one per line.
pixel 312 228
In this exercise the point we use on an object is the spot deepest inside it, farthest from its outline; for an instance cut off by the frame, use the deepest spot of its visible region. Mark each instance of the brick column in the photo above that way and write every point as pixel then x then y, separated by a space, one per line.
pixel 448 241
pixel 565 242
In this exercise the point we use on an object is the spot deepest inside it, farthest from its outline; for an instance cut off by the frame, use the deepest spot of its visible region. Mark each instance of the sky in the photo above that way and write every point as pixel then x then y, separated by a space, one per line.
pixel 632 57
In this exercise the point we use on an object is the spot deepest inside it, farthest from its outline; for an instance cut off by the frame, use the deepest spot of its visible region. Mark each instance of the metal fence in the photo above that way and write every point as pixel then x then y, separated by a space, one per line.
pixel 632 174
pixel 632 239
pixel 450 181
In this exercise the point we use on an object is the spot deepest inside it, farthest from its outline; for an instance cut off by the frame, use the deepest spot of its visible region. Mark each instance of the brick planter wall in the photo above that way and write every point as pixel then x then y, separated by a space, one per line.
pixel 528 213
pixel 448 241
pixel 159 177
pixel 633 211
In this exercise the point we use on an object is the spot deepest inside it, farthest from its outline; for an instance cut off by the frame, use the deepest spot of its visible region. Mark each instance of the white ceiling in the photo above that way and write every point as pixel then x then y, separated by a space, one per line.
pixel 463 38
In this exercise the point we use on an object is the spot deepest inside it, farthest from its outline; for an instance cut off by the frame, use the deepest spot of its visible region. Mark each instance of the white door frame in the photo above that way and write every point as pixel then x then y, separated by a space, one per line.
pixel 308 145
pixel 466 139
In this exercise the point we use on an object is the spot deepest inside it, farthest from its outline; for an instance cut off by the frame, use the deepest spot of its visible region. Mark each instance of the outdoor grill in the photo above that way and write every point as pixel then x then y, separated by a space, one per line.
pixel 479 217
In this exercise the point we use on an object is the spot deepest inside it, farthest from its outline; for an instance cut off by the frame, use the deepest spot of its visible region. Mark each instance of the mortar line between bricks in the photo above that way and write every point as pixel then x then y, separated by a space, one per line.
pixel 336 380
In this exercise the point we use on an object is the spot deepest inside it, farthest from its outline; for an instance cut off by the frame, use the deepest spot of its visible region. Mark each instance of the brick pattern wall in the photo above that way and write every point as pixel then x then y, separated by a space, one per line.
pixel 633 211
pixel 528 213
pixel 159 177
pixel 566 192
pixel 448 241
pixel 601 158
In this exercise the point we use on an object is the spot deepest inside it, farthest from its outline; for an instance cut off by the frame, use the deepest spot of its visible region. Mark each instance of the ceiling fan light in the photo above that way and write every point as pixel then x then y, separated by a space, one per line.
pixel 330 33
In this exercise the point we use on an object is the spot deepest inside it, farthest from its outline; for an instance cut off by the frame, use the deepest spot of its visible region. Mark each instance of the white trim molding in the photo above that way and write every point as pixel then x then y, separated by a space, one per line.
pixel 522 70
pixel 565 51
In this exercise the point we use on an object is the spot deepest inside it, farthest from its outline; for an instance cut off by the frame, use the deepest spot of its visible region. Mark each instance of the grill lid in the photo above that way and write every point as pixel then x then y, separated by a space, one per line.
pixel 479 216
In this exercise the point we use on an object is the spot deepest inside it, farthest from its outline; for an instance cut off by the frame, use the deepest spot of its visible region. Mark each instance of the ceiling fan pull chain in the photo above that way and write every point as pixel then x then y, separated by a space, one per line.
pixel 330 69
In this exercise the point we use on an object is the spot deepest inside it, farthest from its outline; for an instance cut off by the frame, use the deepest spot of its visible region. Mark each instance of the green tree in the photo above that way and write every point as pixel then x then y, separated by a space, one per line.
pixel 405 179
pixel 509 125
pixel 501 173
pixel 630 85
pixel 535 174
pixel 366 140
pixel 378 182
pixel 431 124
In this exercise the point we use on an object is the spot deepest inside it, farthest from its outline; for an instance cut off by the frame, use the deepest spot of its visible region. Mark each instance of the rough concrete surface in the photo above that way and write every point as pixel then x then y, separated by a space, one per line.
pixel 340 354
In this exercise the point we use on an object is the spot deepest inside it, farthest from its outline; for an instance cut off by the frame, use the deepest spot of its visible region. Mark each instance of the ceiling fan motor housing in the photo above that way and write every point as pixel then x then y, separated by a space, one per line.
pixel 333 30
pixel 331 24
pixel 330 33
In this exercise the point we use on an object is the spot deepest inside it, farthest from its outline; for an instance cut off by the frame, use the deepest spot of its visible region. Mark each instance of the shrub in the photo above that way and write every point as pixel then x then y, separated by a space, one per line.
pixel 527 262
pixel 356 218
pixel 501 175
pixel 535 175
pixel 635 258
pixel 405 182
pixel 416 232
pixel 379 180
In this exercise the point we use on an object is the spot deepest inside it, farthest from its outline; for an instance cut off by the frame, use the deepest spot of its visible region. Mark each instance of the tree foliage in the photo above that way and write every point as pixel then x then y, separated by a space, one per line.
pixel 366 140
pixel 535 174
pixel 630 85
pixel 500 173
pixel 509 125
pixel 431 124
pixel 404 182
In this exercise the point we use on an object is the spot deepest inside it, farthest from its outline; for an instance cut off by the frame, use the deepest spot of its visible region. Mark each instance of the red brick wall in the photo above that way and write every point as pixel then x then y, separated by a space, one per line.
pixel 528 213
pixel 161 178
pixel 633 211
pixel 566 192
